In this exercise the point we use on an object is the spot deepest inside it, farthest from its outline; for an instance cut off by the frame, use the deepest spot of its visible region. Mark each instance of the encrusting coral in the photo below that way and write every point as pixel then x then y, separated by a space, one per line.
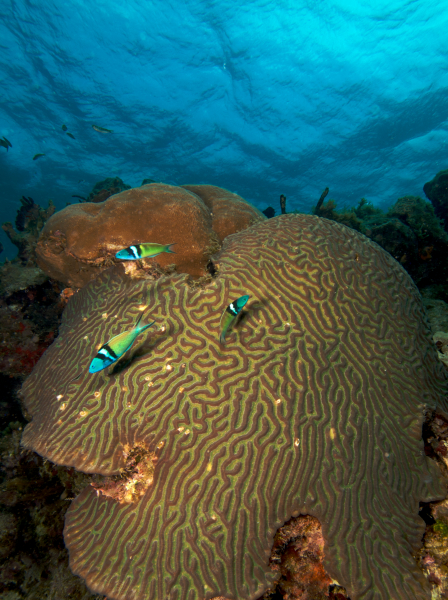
pixel 81 240
pixel 313 406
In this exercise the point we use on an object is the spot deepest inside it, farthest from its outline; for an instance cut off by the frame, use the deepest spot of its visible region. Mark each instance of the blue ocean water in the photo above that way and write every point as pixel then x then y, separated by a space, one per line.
pixel 263 98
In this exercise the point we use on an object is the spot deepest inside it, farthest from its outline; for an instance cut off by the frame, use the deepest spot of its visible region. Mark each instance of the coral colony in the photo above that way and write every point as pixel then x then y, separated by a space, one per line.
pixel 264 436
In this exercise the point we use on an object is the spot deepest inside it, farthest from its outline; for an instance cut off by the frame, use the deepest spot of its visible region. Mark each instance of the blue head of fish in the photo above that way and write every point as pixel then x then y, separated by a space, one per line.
pixel 98 364
pixel 241 302
pixel 125 254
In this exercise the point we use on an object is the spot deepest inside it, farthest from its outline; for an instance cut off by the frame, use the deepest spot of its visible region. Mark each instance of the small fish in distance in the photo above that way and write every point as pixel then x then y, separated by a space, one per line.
pixel 80 197
pixel 5 143
pixel 64 127
pixel 71 135
pixel 230 315
pixel 36 156
pixel 102 129
pixel 144 251
pixel 114 349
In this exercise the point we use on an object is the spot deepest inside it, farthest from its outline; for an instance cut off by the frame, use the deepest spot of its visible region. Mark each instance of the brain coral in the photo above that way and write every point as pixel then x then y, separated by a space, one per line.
pixel 81 240
pixel 313 406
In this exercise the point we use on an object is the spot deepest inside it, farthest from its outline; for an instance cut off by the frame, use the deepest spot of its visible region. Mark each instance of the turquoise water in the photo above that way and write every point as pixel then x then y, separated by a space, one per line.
pixel 264 99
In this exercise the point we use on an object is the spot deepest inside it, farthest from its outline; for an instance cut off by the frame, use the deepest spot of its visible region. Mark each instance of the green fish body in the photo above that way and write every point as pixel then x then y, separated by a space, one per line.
pixel 64 127
pixel 71 135
pixel 114 349
pixel 36 156
pixel 230 315
pixel 143 251
pixel 102 129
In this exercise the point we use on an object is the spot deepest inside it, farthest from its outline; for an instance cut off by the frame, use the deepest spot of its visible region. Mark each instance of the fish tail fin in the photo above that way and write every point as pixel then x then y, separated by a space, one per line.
pixel 143 327
pixel 146 326
pixel 168 248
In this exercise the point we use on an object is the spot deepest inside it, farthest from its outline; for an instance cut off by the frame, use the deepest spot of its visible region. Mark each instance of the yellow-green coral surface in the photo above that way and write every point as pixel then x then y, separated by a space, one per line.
pixel 314 405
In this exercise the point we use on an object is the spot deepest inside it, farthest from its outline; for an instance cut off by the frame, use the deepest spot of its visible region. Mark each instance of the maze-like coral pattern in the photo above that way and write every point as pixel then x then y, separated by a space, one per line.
pixel 314 405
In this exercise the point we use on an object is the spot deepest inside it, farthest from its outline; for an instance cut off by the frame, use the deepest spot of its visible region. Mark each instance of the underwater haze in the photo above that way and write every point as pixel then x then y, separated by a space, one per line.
pixel 265 98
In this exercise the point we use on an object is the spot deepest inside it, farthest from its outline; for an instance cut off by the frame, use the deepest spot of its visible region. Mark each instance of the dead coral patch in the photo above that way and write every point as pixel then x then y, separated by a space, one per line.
pixel 297 556
pixel 133 481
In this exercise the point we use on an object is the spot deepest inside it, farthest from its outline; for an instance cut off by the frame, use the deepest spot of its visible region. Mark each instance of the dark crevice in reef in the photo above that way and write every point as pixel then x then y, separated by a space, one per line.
pixel 426 514
pixel 211 268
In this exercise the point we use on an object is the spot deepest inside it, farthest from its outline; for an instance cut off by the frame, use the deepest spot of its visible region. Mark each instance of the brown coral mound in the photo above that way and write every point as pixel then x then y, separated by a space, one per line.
pixel 230 213
pixel 313 406
pixel 80 241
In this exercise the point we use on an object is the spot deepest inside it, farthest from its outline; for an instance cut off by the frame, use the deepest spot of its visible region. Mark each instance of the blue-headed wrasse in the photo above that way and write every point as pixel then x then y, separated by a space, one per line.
pixel 230 315
pixel 114 349
pixel 143 251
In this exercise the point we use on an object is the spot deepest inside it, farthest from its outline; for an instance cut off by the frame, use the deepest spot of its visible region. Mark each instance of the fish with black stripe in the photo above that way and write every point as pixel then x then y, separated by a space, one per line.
pixel 144 251
pixel 114 349
pixel 230 315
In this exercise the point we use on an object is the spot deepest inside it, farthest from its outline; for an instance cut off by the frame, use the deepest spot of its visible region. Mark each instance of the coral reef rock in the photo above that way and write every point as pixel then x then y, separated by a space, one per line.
pixel 29 318
pixel 314 406
pixel 29 222
pixel 230 213
pixel 81 240
pixel 436 190
pixel 104 189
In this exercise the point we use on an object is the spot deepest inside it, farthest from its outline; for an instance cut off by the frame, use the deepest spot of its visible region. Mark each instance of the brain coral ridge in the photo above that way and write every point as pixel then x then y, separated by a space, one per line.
pixel 313 406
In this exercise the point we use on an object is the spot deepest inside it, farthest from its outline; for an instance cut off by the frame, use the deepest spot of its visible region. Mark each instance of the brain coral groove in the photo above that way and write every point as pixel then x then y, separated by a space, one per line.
pixel 314 406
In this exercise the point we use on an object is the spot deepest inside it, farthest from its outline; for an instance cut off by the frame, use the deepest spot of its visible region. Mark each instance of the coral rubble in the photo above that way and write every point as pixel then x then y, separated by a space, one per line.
pixel 296 414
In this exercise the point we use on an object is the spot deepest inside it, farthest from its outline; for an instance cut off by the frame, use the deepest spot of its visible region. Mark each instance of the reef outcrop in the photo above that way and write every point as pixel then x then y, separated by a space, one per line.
pixel 102 190
pixel 81 240
pixel 313 406
pixel 436 190
pixel 29 222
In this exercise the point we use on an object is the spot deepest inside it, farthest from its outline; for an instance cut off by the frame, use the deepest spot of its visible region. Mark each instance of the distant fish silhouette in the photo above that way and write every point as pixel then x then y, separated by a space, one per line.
pixel 70 135
pixel 269 212
pixel 102 129
pixel 81 197
pixel 64 127
pixel 5 143
pixel 36 156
